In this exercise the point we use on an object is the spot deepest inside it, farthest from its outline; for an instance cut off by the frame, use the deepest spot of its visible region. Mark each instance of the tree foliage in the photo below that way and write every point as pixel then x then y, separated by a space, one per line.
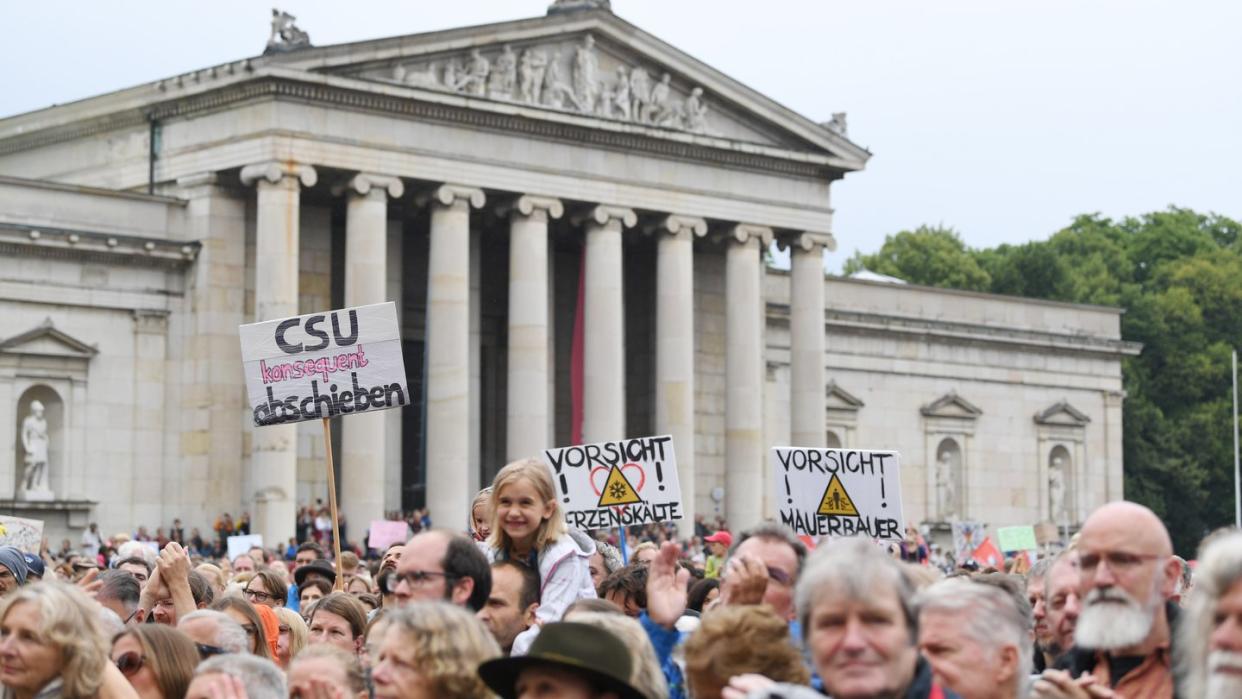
pixel 1178 274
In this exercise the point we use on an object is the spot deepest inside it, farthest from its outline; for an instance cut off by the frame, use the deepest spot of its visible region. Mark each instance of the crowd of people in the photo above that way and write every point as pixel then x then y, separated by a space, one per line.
pixel 517 604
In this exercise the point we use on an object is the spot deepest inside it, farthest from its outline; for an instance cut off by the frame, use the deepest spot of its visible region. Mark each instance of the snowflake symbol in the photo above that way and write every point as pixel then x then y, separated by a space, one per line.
pixel 616 490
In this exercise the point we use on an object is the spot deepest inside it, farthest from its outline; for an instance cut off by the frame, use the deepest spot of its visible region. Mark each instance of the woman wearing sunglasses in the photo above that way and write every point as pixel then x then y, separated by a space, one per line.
pixel 157 660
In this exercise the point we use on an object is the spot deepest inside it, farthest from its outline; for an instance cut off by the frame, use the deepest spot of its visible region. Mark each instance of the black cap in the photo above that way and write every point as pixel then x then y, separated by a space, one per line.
pixel 318 567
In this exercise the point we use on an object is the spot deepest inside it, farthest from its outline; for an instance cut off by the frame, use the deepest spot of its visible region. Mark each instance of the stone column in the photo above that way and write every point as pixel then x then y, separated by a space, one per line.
pixel 448 354
pixel 364 437
pixel 529 411
pixel 274 453
pixel 674 388
pixel 808 410
pixel 744 375
pixel 604 325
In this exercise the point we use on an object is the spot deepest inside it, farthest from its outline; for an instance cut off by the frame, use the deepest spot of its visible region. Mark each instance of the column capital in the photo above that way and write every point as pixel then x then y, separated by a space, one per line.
pixel 450 194
pixel 528 204
pixel 808 241
pixel 678 226
pixel 603 214
pixel 273 171
pixel 364 183
pixel 743 233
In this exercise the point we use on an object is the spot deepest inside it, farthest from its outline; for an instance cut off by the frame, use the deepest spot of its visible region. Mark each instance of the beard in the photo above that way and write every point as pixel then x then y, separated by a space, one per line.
pixel 1111 619
pixel 1224 678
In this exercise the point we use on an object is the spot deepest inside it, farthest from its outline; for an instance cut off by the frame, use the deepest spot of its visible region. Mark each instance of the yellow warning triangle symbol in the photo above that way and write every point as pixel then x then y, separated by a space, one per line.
pixel 836 501
pixel 618 490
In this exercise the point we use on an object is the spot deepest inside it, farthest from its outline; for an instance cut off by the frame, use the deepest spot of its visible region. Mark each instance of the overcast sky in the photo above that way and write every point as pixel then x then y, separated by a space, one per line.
pixel 1000 119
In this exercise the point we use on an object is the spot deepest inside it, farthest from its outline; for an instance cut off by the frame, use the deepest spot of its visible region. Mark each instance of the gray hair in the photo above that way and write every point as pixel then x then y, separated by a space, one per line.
pixel 1039 571
pixel 261 677
pixel 1220 566
pixel 229 634
pixel 986 613
pixel 774 532
pixel 853 566
pixel 119 585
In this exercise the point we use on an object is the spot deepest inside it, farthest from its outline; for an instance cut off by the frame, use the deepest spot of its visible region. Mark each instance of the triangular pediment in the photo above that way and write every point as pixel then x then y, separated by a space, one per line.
pixel 585 64
pixel 838 398
pixel 953 406
pixel 1062 413
pixel 45 340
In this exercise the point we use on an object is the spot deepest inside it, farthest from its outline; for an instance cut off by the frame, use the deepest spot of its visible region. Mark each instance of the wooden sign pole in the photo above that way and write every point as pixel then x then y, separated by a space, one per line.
pixel 336 529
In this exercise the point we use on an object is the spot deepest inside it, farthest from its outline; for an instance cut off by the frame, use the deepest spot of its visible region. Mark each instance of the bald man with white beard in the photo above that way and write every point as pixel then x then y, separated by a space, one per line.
pixel 1122 641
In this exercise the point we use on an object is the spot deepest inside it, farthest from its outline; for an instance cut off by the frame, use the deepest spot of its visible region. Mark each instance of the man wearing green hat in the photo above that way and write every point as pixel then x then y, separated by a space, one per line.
pixel 566 661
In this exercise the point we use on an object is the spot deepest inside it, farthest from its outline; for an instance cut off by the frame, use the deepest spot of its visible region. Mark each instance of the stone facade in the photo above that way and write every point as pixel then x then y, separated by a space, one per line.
pixel 473 176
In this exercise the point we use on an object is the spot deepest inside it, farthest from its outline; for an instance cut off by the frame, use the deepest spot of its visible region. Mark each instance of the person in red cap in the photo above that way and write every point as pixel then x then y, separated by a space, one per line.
pixel 719 544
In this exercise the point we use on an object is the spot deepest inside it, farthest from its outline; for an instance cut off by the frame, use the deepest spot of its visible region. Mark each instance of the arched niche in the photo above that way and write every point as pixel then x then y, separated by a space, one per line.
pixel 832 440
pixel 54 415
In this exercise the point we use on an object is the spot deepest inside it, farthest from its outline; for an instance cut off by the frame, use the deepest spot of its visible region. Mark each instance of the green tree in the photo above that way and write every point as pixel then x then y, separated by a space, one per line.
pixel 934 256
pixel 1178 275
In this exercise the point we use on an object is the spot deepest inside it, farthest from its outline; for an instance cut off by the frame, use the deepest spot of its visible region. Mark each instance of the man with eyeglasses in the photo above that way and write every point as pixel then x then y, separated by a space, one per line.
pixel 442 565
pixel 1122 642
pixel 763 568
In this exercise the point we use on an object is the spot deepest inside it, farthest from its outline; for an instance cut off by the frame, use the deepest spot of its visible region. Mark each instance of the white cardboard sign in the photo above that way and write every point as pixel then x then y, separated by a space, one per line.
pixel 616 484
pixel 321 365
pixel 838 492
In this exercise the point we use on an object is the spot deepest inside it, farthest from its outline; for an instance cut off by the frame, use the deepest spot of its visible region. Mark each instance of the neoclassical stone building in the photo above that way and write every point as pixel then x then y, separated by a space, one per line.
pixel 504 184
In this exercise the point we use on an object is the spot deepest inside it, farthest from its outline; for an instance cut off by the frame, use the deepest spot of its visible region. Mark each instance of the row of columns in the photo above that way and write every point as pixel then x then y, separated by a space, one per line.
pixel 529 410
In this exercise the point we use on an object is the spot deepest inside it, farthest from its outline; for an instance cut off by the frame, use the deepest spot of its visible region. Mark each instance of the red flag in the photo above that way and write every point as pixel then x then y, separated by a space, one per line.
pixel 988 556
pixel 575 358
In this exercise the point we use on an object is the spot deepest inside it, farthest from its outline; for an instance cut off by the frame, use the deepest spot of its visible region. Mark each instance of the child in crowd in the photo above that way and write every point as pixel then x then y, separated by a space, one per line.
pixel 481 515
pixel 528 527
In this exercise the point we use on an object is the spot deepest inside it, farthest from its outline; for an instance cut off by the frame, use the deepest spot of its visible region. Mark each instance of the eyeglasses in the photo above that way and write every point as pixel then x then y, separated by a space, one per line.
pixel 130 663
pixel 257 596
pixel 205 651
pixel 419 578
pixel 1118 561
pixel 131 616
pixel 779 575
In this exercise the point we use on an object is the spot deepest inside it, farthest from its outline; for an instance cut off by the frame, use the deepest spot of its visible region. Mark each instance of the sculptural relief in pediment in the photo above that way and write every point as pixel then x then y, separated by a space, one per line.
pixel 570 74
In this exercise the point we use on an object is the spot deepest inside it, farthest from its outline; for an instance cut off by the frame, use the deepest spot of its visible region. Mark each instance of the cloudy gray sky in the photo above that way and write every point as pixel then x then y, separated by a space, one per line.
pixel 1001 119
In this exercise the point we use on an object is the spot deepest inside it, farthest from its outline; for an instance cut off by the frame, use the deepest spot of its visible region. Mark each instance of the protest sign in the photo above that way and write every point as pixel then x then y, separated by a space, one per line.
pixel 25 534
pixel 967 536
pixel 385 533
pixel 615 484
pixel 239 545
pixel 838 492
pixel 1017 539
pixel 322 365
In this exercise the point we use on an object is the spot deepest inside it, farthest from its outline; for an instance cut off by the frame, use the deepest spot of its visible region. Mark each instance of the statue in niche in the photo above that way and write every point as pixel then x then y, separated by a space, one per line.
pixel 34 443
pixel 474 81
pixel 658 106
pixel 554 88
pixel 586 75
pixel 504 75
pixel 946 484
pixel 1056 489
pixel 531 68
pixel 695 117
pixel 640 93
pixel 621 93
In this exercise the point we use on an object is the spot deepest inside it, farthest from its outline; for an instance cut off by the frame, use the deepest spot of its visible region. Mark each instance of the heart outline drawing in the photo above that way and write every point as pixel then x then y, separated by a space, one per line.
pixel 642 477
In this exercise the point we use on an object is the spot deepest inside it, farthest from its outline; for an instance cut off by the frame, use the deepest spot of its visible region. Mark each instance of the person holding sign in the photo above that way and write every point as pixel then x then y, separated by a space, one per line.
pixel 528 527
